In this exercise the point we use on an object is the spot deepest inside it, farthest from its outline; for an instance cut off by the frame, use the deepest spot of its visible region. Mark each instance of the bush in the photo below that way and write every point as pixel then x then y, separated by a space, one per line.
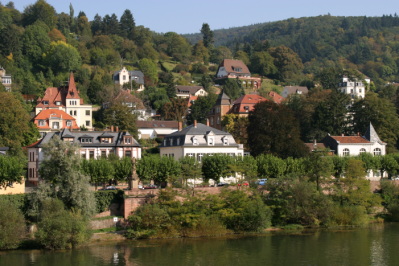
pixel 59 228
pixel 104 198
pixel 349 215
pixel 20 201
pixel 12 225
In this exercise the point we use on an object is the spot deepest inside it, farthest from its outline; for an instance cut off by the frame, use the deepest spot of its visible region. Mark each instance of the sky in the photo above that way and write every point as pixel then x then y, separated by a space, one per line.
pixel 187 16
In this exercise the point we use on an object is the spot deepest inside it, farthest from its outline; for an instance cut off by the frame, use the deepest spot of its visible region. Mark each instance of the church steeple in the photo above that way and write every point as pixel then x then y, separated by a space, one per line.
pixel 371 135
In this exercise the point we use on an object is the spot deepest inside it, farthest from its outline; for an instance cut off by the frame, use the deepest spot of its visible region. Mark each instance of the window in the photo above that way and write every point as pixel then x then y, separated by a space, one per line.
pixel 57 103
pixel 31 156
pixel 87 123
pixel 87 112
pixel 74 112
pixel 70 112
pixel 178 142
pixel 345 152
pixel 377 151
pixel 124 77
pixel 86 140
pixel 69 123
pixel 195 141
pixel 362 150
pixel 56 125
pixel 91 154
pixel 225 141
pixel 218 120
pixel 211 141
pixel 128 140
pixel 190 154
pixel 83 155
pixel 171 142
pixel 103 153
pixel 45 102
pixel 128 154
pixel 199 157
pixel 42 123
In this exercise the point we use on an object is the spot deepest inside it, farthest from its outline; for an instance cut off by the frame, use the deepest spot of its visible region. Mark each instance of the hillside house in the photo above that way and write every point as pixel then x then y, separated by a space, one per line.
pixel 125 76
pixel 93 144
pixel 236 69
pixel 5 79
pixel 68 100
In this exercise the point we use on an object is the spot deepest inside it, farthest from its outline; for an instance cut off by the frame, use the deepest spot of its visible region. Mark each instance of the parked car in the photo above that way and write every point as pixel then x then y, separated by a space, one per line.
pixel 261 182
pixel 222 184
pixel 150 186
pixel 245 183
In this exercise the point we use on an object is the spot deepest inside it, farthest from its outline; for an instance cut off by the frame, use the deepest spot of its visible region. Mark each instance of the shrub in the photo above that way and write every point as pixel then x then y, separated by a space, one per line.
pixel 349 215
pixel 59 228
pixel 12 225
pixel 104 198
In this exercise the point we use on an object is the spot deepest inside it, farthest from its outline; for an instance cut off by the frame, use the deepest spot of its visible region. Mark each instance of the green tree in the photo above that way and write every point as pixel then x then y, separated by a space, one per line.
pixel 121 116
pixel 150 70
pixel 381 114
pixel 123 169
pixel 233 88
pixel 42 11
pixel 59 228
pixel 11 170
pixel 147 168
pixel 201 107
pixel 263 64
pixel 207 35
pixel 270 166
pixel 127 25
pixel 62 57
pixel 190 169
pixel 62 172
pixel 319 168
pixel 12 224
pixel 216 166
pixel 355 169
pixel 176 109
pixel 273 129
pixel 101 171
pixel 15 126
pixel 36 42
pixel 288 63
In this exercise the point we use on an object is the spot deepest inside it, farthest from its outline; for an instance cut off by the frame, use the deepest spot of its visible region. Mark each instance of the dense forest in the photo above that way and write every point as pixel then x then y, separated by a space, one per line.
pixel 40 47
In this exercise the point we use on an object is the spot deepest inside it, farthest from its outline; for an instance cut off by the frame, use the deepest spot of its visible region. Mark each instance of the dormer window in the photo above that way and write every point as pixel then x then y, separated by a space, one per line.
pixel 69 123
pixel 57 103
pixel 45 102
pixel 42 123
pixel 171 142
pixel 225 141
pixel 195 141
pixel 178 142
pixel 128 140
pixel 86 140
pixel 211 141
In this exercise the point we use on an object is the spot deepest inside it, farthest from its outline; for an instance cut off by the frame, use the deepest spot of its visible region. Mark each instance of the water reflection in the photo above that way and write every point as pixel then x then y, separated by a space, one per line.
pixel 377 245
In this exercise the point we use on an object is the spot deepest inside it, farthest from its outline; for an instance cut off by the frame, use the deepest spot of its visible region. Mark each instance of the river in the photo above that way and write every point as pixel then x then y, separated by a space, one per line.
pixel 375 245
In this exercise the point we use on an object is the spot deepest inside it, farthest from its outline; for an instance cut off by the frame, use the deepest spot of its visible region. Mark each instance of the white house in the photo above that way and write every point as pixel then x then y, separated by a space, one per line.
pixel 156 128
pixel 5 79
pixel 355 145
pixel 93 144
pixel 198 140
pixel 187 91
pixel 125 76
pixel 354 87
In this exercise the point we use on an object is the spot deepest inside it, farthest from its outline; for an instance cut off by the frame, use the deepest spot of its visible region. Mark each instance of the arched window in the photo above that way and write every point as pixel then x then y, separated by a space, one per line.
pixel 377 151
pixel 362 150
pixel 345 152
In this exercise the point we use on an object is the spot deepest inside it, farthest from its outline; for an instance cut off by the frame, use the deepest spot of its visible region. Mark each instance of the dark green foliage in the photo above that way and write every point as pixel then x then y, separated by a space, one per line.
pixel 59 228
pixel 11 170
pixel 201 108
pixel 104 198
pixel 207 35
pixel 12 225
pixel 273 129
pixel 233 88
pixel 216 166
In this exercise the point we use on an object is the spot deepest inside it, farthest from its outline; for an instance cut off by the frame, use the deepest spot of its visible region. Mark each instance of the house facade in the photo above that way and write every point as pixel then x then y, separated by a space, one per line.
pixel 294 90
pixel 54 119
pixel 5 79
pixel 187 91
pixel 236 69
pixel 125 76
pixel 199 140
pixel 246 103
pixel 354 87
pixel 220 109
pixel 93 144
pixel 68 100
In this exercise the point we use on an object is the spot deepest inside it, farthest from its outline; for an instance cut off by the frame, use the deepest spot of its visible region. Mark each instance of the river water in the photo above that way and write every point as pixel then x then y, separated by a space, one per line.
pixel 375 245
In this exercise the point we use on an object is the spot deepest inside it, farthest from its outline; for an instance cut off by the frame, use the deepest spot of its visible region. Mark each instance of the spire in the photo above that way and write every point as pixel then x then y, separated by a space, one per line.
pixel 72 91
pixel 371 135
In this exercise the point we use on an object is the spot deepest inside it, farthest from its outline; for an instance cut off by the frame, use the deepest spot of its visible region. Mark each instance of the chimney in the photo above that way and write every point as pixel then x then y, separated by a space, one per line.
pixel 117 129
pixel 180 126
pixel 195 123
pixel 112 128
pixel 207 122
pixel 343 135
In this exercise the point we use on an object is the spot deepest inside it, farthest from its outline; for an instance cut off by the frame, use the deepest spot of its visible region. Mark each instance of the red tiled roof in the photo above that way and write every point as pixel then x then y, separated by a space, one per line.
pixel 191 100
pixel 51 95
pixel 350 139
pixel 277 98
pixel 46 114
pixel 231 65
pixel 72 91
pixel 246 103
